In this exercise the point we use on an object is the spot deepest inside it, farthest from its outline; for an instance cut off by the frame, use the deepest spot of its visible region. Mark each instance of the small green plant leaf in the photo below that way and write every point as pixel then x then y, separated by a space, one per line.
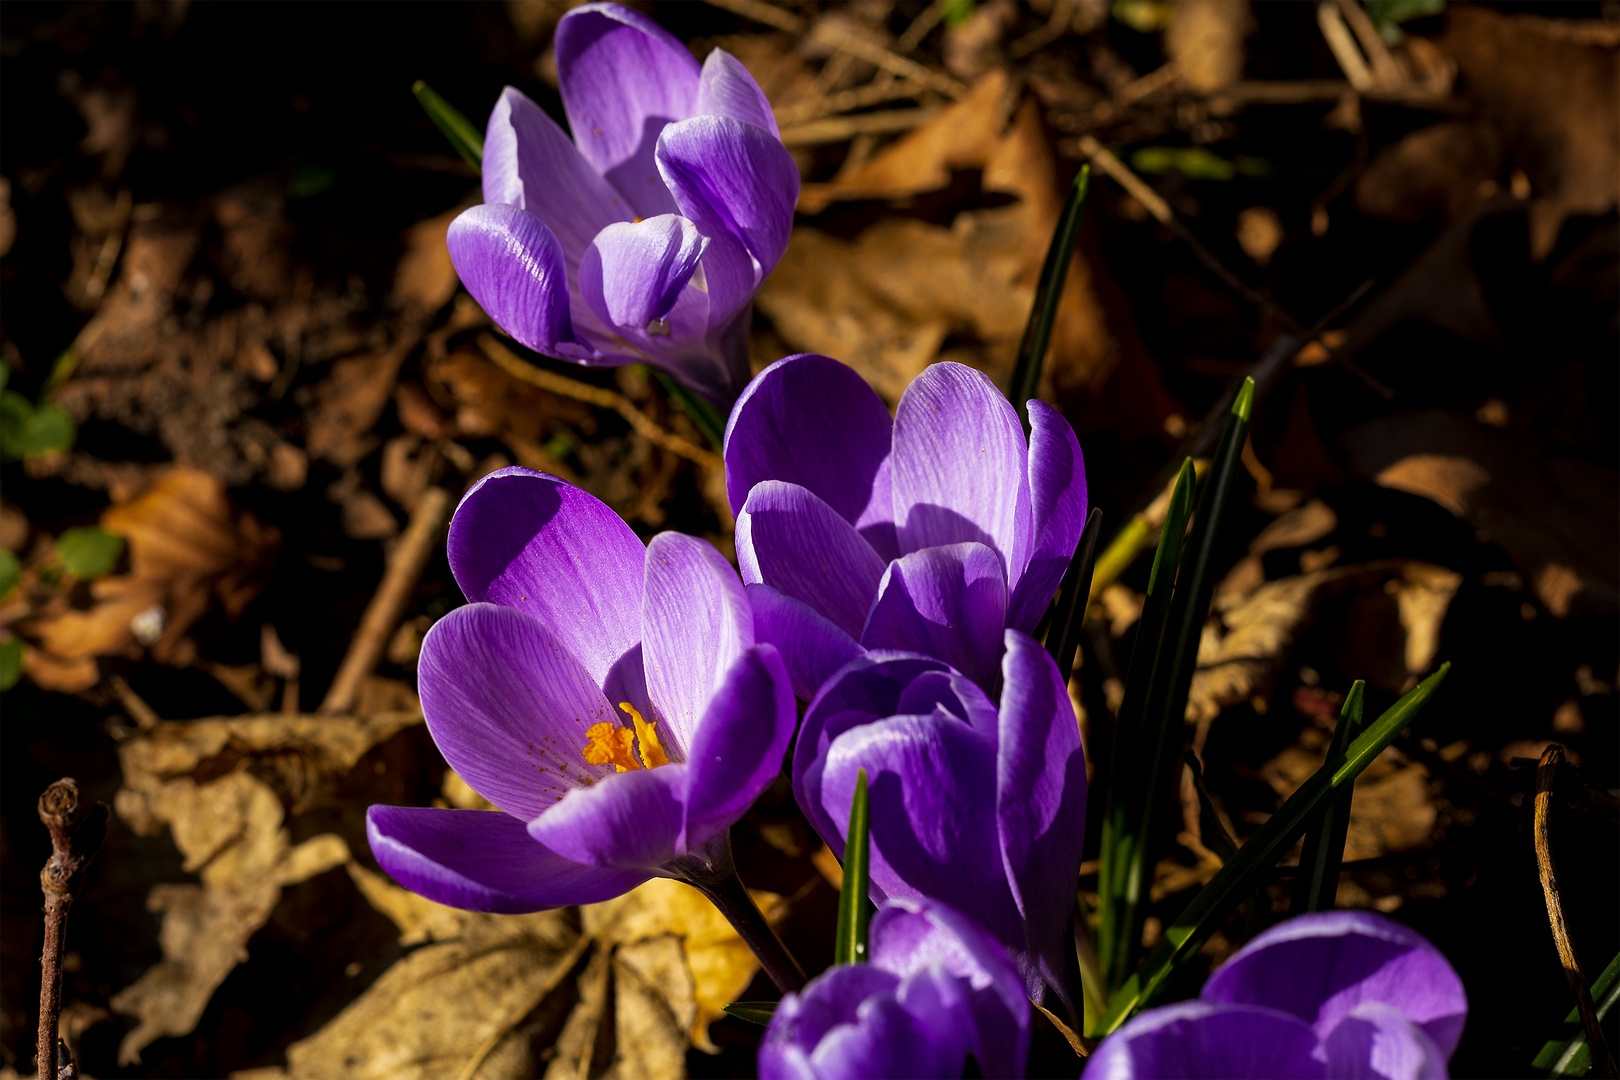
pixel 708 419
pixel 10 573
pixel 1026 374
pixel 854 909
pixel 11 650
pixel 1237 879
pixel 957 12
pixel 26 430
pixel 448 119
pixel 1063 636
pixel 89 552
pixel 754 1012
pixel 1323 853
pixel 1572 1055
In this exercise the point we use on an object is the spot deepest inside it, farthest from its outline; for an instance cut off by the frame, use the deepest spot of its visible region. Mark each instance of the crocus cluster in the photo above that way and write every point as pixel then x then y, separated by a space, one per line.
pixel 644 238
pixel 608 698
pixel 1337 994
pixel 933 532
pixel 936 989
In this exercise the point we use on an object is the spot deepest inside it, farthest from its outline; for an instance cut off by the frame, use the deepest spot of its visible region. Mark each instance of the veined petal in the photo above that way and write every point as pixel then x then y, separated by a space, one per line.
pixel 1375 1040
pixel 931 781
pixel 634 271
pixel 532 542
pixel 725 88
pixel 811 421
pixel 812 648
pixel 623 77
pixel 1319 967
pixel 956 694
pixel 1040 800
pixel 509 707
pixel 1194 1040
pixel 1057 490
pixel 739 746
pixel 512 264
pixel 729 175
pixel 530 162
pixel 630 821
pixel 695 623
pixel 949 602
pixel 791 540
pixel 479 860
pixel 959 467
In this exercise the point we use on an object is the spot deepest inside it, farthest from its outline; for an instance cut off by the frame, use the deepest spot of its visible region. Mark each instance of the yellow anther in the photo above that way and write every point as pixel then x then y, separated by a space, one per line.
pixel 610 745
pixel 652 751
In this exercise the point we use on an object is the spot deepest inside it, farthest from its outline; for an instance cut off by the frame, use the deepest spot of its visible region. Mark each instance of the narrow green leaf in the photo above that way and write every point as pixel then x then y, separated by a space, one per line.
pixel 1119 877
pixel 448 119
pixel 11 651
pixel 1572 1056
pixel 1063 635
pixel 1026 374
pixel 10 572
pixel 1232 882
pixel 89 552
pixel 754 1012
pixel 708 419
pixel 1323 854
pixel 854 910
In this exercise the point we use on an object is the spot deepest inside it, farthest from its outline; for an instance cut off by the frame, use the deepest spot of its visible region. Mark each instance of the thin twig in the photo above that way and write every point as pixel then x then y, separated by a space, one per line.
pixel 861 97
pixel 508 361
pixel 1546 775
pixel 76 835
pixel 404 568
pixel 838 128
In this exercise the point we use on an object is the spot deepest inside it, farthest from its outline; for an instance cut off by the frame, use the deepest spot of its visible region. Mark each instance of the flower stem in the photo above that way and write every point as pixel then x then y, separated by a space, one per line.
pixel 717 879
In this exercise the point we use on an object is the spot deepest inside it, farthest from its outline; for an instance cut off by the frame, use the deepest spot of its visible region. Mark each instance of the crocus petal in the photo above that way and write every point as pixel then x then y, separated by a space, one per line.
pixel 509 707
pixel 512 264
pixel 802 1020
pixel 623 77
pixel 532 542
pixel 959 465
pixel 479 860
pixel 866 689
pixel 791 540
pixel 1376 1040
pixel 695 623
pixel 1194 1040
pixel 811 421
pixel 1057 490
pixel 949 602
pixel 630 821
pixel 911 936
pixel 931 781
pixel 956 694
pixel 1320 967
pixel 530 162
pixel 1040 799
pixel 725 88
pixel 729 175
pixel 812 648
pixel 885 1043
pixel 633 272
pixel 739 746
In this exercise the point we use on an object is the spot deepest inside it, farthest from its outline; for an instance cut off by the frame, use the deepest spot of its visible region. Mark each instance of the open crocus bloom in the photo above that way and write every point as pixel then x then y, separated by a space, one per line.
pixel 936 989
pixel 981 808
pixel 1336 994
pixel 932 532
pixel 644 239
pixel 608 698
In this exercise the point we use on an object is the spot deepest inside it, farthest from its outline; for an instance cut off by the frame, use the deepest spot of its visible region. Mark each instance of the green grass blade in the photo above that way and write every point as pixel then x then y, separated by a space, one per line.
pixel 457 128
pixel 1063 636
pixel 708 419
pixel 754 1012
pixel 1118 882
pixel 1323 854
pixel 854 910
pixel 1026 374
pixel 1232 882
pixel 1573 1056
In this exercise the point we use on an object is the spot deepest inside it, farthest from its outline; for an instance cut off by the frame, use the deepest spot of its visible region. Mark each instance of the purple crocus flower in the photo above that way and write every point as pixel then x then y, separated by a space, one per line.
pixel 1336 994
pixel 931 533
pixel 980 808
pixel 609 698
pixel 644 239
pixel 936 989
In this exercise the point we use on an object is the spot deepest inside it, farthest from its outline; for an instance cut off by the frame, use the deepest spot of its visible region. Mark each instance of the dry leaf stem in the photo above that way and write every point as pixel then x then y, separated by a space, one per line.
pixel 1546 774
pixel 75 837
